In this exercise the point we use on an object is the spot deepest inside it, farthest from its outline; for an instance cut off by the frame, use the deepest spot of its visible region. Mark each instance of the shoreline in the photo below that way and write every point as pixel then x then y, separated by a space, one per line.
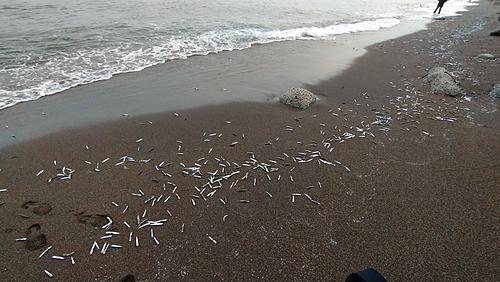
pixel 383 183
pixel 257 74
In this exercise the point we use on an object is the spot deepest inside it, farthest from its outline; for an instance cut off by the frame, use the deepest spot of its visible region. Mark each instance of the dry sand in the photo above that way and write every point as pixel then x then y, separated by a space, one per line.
pixel 369 176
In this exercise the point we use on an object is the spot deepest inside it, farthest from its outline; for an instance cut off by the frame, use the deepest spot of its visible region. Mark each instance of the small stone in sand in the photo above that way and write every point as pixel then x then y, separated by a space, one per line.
pixel 297 97
pixel 442 82
pixel 495 92
pixel 486 57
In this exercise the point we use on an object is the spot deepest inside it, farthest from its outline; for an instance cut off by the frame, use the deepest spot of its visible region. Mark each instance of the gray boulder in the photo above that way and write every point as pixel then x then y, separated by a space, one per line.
pixel 297 97
pixel 442 83
pixel 486 57
pixel 495 93
pixel 495 32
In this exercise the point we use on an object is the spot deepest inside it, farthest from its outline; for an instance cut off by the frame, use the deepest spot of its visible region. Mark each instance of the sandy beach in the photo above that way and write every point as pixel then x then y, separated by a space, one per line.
pixel 377 173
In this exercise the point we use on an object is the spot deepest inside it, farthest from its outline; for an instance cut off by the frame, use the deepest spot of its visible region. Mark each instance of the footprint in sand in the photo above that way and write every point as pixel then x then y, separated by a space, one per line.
pixel 34 228
pixel 37 208
pixel 96 220
pixel 35 239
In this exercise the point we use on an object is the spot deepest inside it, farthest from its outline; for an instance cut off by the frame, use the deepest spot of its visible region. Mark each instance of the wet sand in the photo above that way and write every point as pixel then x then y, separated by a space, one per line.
pixel 252 75
pixel 369 176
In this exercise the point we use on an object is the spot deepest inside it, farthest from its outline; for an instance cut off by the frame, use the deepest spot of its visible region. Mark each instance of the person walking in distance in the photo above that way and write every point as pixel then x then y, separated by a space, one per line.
pixel 439 6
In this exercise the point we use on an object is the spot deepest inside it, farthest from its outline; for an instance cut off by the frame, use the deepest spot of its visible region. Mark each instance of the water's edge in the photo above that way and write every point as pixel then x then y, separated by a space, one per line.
pixel 257 74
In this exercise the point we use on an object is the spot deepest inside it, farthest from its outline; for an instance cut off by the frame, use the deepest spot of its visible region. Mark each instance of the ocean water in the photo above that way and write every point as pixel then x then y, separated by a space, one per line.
pixel 52 45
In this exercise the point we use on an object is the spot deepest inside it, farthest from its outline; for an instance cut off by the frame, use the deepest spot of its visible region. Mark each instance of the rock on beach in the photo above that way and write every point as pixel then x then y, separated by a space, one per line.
pixel 486 57
pixel 495 92
pixel 442 83
pixel 297 97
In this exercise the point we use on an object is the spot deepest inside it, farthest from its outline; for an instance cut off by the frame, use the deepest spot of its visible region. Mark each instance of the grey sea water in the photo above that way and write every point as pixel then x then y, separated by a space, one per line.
pixel 48 46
